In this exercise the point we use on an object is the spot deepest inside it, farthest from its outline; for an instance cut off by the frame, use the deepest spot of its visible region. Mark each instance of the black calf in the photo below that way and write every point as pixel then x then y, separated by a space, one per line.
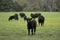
pixel 41 20
pixel 16 16
pixel 31 25
pixel 13 17
pixel 25 18
pixel 35 15
pixel 22 14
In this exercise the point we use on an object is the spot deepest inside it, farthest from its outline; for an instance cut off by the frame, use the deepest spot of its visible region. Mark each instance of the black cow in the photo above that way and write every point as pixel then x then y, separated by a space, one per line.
pixel 35 15
pixel 31 25
pixel 41 20
pixel 25 18
pixel 32 15
pixel 16 16
pixel 22 14
pixel 13 17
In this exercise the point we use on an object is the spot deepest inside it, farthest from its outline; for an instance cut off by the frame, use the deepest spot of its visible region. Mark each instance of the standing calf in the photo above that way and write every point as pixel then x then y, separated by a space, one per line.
pixel 31 25
pixel 25 18
pixel 41 20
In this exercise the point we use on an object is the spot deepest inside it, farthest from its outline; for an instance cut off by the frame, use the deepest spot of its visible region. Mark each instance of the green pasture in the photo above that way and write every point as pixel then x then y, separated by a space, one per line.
pixel 17 30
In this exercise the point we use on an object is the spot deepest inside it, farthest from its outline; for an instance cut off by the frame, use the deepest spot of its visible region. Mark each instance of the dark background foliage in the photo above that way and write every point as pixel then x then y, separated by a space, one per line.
pixel 29 5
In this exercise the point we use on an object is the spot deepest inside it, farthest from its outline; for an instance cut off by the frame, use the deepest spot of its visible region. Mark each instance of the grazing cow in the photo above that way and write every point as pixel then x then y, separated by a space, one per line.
pixel 35 15
pixel 41 20
pixel 22 14
pixel 13 17
pixel 25 18
pixel 31 25
pixel 16 16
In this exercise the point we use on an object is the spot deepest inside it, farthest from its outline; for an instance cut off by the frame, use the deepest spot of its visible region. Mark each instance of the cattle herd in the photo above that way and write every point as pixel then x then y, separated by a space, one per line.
pixel 31 22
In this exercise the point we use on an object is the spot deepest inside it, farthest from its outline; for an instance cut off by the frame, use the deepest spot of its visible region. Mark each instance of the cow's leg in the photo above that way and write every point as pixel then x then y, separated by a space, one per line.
pixel 16 18
pixel 28 31
pixel 41 23
pixel 32 31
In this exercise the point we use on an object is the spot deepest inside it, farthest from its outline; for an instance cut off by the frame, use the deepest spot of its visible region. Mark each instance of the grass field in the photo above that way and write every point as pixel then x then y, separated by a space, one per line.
pixel 17 30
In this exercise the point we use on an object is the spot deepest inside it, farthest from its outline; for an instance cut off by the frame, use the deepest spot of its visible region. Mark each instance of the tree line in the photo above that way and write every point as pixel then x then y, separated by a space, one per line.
pixel 30 5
